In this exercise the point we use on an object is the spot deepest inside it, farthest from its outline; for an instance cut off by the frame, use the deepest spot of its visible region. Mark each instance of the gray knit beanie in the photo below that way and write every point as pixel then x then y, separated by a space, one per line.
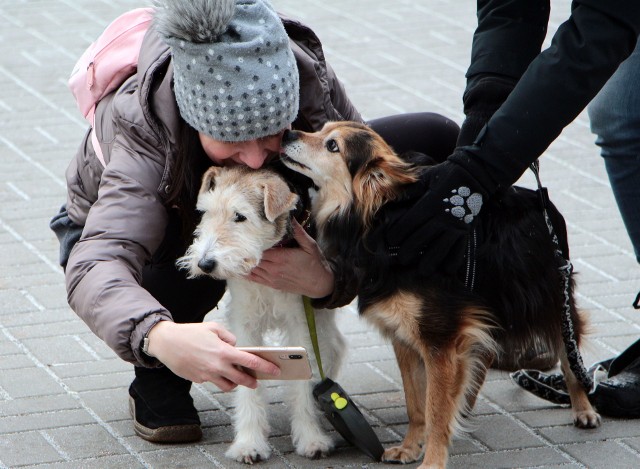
pixel 235 76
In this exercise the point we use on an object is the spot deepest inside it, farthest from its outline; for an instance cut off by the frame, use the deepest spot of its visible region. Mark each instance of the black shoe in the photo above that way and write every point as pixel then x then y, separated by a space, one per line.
pixel 619 394
pixel 616 394
pixel 162 408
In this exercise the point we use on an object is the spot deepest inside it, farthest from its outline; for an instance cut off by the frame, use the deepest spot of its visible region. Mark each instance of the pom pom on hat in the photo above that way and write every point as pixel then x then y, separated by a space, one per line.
pixel 235 76
pixel 194 21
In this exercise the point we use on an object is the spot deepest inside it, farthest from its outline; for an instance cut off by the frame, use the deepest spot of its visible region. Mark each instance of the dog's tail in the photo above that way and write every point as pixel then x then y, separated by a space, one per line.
pixel 476 349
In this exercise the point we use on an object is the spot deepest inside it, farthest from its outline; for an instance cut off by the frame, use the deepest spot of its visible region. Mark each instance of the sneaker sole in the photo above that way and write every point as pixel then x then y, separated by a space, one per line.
pixel 168 434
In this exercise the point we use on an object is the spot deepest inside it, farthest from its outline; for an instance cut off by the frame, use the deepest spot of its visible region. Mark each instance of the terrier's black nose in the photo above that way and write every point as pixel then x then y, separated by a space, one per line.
pixel 289 136
pixel 207 265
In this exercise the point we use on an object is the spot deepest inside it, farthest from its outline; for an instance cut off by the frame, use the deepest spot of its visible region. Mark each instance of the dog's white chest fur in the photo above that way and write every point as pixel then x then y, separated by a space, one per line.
pixel 257 307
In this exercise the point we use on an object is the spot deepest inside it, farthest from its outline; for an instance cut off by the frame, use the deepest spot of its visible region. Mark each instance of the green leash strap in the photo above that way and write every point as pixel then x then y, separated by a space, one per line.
pixel 311 322
pixel 337 406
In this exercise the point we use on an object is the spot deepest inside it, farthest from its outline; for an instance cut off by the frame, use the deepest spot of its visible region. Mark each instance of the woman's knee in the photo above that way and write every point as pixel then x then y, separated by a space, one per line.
pixel 424 132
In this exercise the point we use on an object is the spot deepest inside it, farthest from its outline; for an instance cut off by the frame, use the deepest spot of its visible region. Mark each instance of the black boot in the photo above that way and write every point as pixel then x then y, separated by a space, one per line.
pixel 162 408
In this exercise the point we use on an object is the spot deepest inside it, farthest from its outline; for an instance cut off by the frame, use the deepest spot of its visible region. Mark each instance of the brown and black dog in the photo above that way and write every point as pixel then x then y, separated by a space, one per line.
pixel 445 334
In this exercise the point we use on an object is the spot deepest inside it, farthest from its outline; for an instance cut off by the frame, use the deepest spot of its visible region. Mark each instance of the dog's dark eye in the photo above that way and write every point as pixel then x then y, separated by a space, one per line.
pixel 239 218
pixel 332 146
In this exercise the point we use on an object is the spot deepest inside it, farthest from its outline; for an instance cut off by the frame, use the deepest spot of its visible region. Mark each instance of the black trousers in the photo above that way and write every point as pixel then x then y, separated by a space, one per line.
pixel 424 132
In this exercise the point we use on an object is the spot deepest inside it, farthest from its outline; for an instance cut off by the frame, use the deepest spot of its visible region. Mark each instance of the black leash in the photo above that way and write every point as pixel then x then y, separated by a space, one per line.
pixel 566 268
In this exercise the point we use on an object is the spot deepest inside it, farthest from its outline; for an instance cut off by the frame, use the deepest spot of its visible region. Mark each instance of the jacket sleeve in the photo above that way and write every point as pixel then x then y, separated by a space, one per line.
pixel 557 86
pixel 123 228
pixel 345 286
pixel 340 99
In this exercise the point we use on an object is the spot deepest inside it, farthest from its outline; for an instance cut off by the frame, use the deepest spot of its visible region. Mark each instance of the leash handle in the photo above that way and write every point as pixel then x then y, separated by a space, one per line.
pixel 311 323
pixel 345 417
pixel 566 269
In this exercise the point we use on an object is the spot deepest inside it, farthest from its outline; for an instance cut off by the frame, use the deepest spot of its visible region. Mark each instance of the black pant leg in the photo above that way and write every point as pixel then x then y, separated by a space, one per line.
pixel 424 132
pixel 188 300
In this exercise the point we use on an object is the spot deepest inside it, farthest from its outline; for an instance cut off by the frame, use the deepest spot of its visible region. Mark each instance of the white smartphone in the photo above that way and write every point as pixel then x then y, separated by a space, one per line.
pixel 292 361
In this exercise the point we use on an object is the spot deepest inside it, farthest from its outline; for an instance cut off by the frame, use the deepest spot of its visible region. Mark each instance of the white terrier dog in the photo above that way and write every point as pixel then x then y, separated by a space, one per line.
pixel 245 212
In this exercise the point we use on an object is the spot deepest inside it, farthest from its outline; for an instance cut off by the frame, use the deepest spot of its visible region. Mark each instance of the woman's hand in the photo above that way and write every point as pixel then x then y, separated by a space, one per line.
pixel 203 352
pixel 301 270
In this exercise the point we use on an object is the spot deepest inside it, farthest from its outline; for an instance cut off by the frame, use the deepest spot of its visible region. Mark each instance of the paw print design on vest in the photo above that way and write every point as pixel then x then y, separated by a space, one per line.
pixel 465 204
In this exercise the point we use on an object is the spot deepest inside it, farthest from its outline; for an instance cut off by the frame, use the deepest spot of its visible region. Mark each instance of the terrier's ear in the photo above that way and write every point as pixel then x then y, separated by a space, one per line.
pixel 278 199
pixel 208 180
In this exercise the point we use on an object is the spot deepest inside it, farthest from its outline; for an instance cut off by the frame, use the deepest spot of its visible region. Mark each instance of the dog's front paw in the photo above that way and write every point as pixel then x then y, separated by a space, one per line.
pixel 249 452
pixel 402 454
pixel 316 447
pixel 587 419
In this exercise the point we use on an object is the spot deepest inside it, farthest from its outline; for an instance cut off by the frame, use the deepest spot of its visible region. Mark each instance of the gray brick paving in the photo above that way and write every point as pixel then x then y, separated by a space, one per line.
pixel 63 400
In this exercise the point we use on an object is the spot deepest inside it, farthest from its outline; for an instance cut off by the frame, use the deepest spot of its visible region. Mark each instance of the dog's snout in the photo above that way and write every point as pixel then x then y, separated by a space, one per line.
pixel 207 265
pixel 289 136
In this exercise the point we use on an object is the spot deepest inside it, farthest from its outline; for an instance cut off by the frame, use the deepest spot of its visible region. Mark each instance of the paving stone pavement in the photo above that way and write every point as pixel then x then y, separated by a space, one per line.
pixel 63 399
